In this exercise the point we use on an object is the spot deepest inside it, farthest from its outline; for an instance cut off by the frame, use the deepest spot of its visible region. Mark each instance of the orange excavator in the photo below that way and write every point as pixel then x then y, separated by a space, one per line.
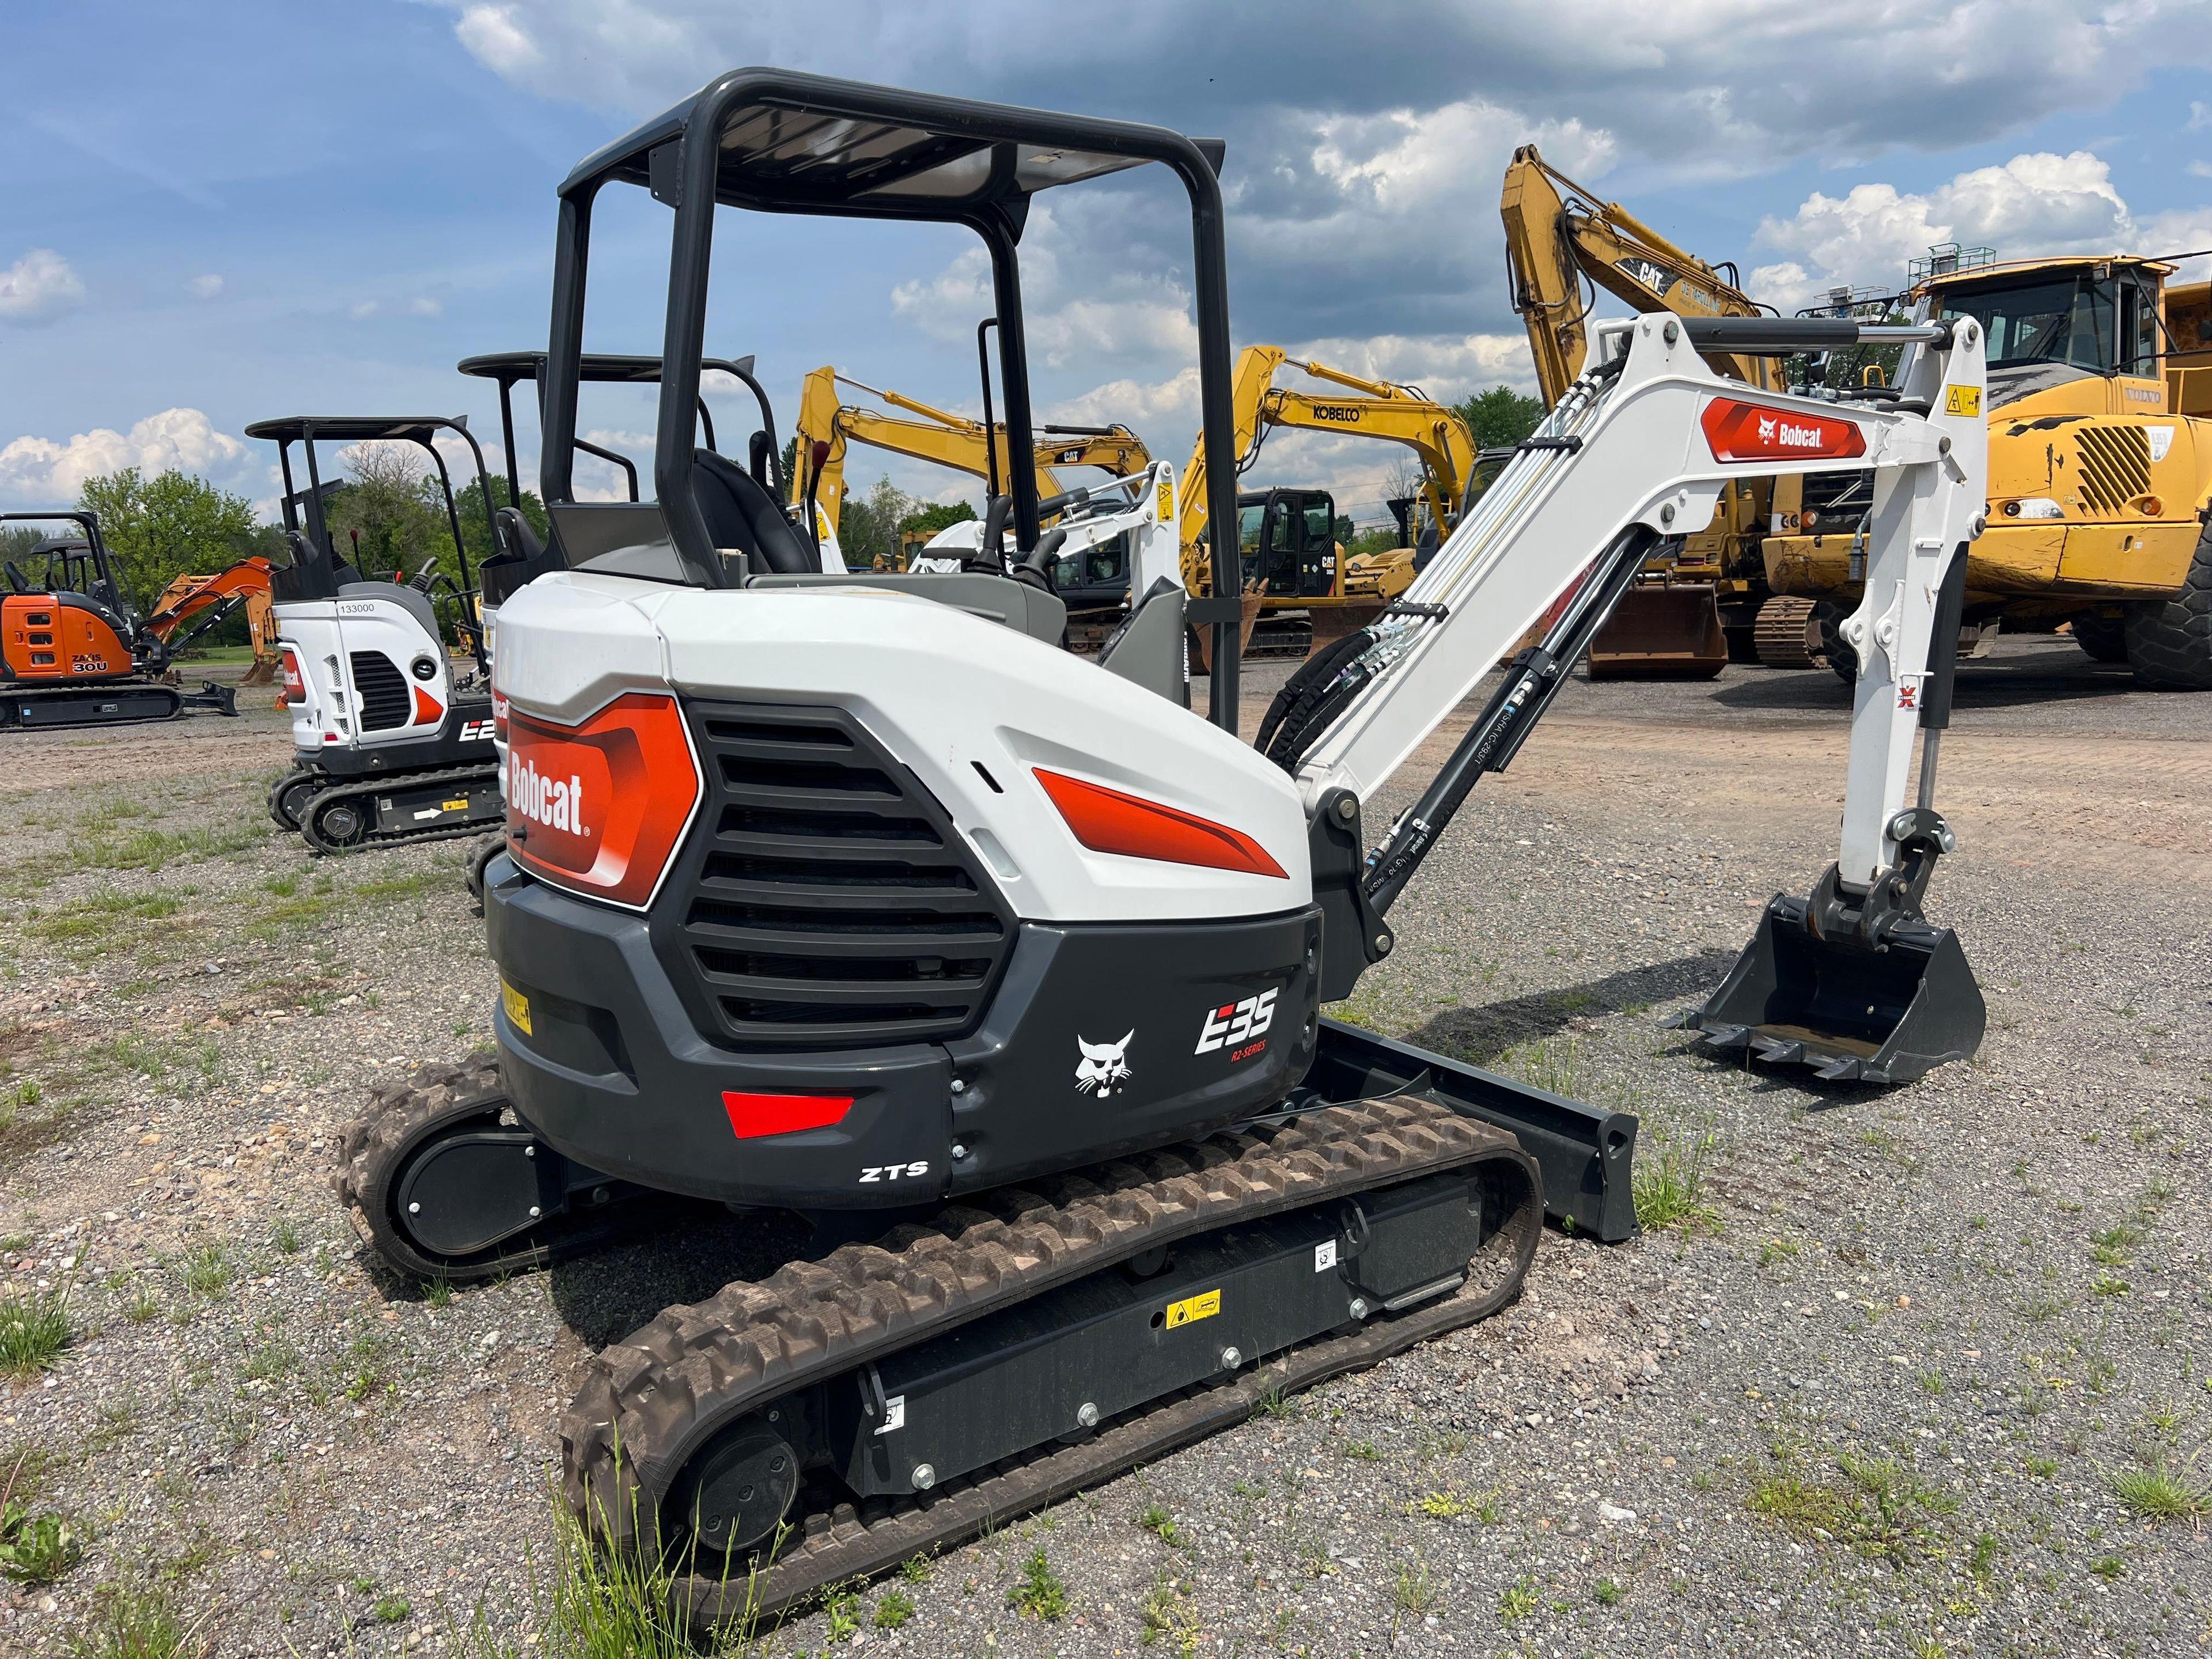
pixel 193 597
pixel 73 649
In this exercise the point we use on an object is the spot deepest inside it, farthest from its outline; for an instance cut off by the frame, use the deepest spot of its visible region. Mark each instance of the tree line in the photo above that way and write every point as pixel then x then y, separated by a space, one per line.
pixel 388 513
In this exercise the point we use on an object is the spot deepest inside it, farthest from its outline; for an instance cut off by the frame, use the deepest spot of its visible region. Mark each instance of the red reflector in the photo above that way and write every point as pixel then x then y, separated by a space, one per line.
pixel 1107 821
pixel 754 1115
pixel 427 708
pixel 295 684
pixel 1749 431
pixel 599 808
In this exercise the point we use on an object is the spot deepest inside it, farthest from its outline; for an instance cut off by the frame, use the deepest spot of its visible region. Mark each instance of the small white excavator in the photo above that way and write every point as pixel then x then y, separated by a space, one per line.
pixel 857 895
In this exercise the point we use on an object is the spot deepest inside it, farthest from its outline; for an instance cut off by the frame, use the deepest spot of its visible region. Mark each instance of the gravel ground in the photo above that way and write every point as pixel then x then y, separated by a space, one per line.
pixel 1869 1394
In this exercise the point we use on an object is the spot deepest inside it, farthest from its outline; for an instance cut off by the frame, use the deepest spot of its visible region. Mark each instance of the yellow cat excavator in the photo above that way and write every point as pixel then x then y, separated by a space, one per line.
pixel 1292 560
pixel 1704 598
pixel 828 426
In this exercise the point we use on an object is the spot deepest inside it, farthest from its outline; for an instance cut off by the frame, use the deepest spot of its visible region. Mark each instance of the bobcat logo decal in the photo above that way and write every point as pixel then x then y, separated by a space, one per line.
pixel 1103 1065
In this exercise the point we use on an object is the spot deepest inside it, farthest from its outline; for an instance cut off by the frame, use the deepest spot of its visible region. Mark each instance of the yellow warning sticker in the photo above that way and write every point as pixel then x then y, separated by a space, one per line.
pixel 517 1006
pixel 456 806
pixel 1963 400
pixel 1191 1310
pixel 1167 501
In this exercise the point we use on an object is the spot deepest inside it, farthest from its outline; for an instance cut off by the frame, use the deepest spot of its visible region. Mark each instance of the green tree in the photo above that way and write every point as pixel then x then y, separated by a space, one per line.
pixel 1498 416
pixel 390 513
pixel 867 529
pixel 930 517
pixel 162 526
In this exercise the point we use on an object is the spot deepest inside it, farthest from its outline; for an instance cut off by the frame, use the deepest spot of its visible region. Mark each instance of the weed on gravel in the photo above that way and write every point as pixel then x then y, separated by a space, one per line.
pixel 34 1328
pixel 1040 1593
pixel 136 1621
pixel 1879 1508
pixel 2159 1494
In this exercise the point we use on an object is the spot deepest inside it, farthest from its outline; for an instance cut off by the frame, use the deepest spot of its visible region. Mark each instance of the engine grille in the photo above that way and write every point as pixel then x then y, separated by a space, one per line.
pixel 1834 503
pixel 384 699
pixel 2114 466
pixel 827 900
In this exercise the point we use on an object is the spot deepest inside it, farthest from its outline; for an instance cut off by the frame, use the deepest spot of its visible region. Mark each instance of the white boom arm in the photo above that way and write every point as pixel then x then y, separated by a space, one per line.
pixel 1651 442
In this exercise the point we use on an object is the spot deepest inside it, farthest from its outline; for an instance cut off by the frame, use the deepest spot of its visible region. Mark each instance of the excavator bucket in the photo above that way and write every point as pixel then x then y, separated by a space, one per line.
pixel 1884 1014
pixel 1661 631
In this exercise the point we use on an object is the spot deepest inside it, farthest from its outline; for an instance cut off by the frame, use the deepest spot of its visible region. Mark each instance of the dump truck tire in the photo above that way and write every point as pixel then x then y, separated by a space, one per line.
pixel 2102 639
pixel 2169 641
pixel 1828 623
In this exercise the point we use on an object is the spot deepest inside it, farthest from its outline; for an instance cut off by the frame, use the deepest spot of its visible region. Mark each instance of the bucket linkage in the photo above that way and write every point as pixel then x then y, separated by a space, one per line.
pixel 1861 987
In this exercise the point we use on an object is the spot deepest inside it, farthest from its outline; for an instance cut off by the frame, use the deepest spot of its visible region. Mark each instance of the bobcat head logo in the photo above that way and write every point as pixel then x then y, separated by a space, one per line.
pixel 1103 1066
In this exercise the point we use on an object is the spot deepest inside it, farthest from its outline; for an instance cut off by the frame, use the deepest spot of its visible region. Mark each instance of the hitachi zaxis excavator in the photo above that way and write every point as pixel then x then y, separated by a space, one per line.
pixel 855 895
pixel 74 651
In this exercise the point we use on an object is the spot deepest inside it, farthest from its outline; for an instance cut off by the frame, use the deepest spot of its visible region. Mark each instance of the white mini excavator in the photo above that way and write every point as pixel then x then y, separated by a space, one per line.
pixel 858 897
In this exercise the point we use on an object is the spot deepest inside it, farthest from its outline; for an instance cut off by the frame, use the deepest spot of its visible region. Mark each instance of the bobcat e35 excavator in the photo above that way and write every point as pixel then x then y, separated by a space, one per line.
pixel 844 895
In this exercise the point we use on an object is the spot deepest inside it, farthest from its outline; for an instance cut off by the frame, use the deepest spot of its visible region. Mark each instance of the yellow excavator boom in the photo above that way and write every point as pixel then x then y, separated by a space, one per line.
pixel 938 437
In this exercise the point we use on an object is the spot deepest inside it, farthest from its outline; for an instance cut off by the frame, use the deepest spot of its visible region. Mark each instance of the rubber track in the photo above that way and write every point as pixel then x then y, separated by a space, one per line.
pixel 653 1400
pixel 486 772
pixel 376 1146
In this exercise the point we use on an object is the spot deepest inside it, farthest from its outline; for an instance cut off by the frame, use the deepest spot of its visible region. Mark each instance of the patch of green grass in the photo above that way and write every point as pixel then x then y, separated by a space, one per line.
pixel 1362 1451
pixel 895 1608
pixel 2159 1494
pixel 136 1621
pixel 1040 1593
pixel 2109 1283
pixel 2113 1246
pixel 1157 1522
pixel 391 1609
pixel 1879 1508
pixel 1442 1506
pixel 285 1237
pixel 34 1328
pixel 1519 1601
pixel 282 886
pixel 1669 1189
pixel 1932 1383
pixel 1414 1590
pixel 438 1292
pixel 1607 1592
pixel 1777 1250
pixel 917 1570
pixel 2042 1467
pixel 208 1272
pixel 2110 1568
pixel 152 850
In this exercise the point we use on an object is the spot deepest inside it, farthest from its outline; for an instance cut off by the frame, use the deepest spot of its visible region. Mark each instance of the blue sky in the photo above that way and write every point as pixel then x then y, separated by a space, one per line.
pixel 215 214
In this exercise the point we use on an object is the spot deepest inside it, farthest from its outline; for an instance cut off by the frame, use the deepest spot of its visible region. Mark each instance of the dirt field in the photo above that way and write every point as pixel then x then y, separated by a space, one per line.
pixel 1902 1377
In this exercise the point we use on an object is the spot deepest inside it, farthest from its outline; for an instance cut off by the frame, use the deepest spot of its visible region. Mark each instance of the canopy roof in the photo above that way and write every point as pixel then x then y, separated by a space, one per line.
pixel 795 142
pixel 357 429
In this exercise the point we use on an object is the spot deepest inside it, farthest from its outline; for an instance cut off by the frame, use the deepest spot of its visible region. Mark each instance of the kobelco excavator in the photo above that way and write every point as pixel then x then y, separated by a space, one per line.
pixel 856 896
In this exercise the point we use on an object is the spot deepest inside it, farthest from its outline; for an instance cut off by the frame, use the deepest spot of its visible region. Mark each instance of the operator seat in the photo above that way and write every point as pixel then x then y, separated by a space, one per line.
pixel 740 514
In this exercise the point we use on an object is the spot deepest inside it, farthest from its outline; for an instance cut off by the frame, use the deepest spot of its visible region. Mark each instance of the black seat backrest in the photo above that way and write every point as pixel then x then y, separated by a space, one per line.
pixel 516 538
pixel 741 513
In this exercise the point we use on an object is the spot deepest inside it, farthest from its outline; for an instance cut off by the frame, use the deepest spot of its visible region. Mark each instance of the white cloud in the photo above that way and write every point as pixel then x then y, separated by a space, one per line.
pixel 205 287
pixel 2200 118
pixel 494 40
pixel 421 304
pixel 1070 314
pixel 2036 203
pixel 45 471
pixel 2200 169
pixel 1445 367
pixel 37 288
pixel 1410 161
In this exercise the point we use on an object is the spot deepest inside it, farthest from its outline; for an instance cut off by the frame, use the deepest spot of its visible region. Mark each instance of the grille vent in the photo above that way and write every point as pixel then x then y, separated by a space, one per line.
pixel 384 699
pixel 830 901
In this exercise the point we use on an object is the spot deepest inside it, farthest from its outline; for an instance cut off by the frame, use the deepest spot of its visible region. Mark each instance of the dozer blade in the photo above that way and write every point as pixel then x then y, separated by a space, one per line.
pixel 1854 1014
pixel 1661 631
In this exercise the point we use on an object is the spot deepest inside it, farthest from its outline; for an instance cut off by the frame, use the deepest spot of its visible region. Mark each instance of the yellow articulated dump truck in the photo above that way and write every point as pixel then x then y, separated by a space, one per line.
pixel 2101 469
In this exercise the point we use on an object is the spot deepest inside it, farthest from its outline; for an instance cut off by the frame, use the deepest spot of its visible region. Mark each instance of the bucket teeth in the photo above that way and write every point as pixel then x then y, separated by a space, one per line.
pixel 1726 1037
pixel 1844 1068
pixel 1783 1051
